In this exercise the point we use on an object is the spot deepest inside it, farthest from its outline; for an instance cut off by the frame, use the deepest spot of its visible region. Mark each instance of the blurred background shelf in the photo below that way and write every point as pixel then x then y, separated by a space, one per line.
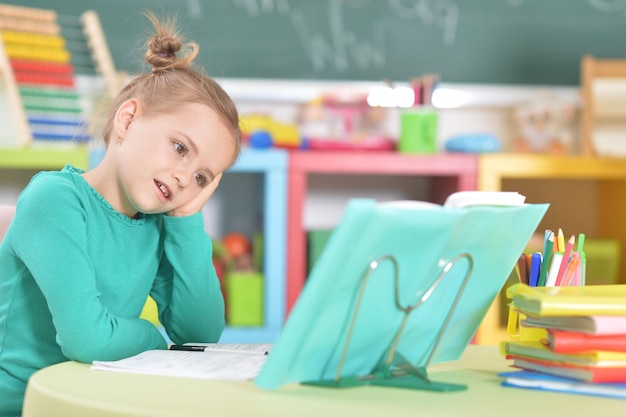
pixel 40 157
pixel 438 176
pixel 271 167
pixel 586 194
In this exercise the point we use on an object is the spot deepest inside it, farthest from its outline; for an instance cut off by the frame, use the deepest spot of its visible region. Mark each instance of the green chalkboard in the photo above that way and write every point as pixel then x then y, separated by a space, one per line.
pixel 465 41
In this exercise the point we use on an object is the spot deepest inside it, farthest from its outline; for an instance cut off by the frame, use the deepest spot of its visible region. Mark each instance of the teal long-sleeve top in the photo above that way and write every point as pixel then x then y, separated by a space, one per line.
pixel 75 275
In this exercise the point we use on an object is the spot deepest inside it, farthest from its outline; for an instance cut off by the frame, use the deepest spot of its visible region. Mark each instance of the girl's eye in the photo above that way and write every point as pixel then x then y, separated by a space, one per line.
pixel 180 148
pixel 201 180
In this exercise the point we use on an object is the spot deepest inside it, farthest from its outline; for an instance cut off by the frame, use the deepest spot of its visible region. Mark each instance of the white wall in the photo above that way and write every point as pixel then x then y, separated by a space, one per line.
pixel 488 109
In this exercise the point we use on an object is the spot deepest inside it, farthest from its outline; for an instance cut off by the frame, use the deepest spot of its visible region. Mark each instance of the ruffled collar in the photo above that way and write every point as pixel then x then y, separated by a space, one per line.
pixel 101 201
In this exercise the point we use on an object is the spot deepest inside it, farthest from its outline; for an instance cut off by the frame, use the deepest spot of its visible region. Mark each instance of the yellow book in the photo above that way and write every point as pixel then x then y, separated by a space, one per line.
pixel 569 301
pixel 537 350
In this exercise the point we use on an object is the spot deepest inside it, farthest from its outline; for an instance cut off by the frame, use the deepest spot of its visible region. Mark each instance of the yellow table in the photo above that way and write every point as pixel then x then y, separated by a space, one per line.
pixel 72 389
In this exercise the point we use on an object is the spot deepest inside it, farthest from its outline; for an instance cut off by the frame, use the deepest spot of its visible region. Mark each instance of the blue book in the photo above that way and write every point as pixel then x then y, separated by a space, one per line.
pixel 545 382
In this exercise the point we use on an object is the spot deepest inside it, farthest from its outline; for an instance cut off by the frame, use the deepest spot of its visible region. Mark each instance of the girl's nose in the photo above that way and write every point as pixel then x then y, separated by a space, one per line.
pixel 182 178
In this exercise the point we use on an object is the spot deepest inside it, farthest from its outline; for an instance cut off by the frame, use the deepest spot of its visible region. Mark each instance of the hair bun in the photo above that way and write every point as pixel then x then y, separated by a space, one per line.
pixel 164 46
pixel 162 51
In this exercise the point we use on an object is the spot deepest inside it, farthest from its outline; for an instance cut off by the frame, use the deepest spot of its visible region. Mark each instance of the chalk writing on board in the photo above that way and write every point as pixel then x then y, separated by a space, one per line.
pixel 609 6
pixel 340 48
pixel 194 9
pixel 343 47
pixel 443 14
pixel 256 8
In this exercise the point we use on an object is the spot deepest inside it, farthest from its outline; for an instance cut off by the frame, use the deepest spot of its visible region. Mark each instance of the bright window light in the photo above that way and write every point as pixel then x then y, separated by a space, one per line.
pixel 405 97
pixel 447 98
pixel 381 96
pixel 384 96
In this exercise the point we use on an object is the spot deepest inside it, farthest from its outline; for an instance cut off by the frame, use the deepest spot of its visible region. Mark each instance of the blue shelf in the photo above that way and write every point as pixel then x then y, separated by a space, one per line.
pixel 272 164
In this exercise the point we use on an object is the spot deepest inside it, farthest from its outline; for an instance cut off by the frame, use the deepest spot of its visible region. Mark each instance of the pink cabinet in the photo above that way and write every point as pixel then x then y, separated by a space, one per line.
pixel 446 172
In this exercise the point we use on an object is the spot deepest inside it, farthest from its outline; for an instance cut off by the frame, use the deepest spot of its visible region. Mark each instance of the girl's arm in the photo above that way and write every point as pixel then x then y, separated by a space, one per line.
pixel 49 234
pixel 187 290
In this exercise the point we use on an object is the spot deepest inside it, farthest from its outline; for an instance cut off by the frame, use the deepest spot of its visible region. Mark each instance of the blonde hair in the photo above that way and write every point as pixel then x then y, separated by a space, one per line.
pixel 173 82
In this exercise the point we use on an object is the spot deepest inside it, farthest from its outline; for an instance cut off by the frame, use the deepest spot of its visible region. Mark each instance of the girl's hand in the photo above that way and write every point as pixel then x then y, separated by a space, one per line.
pixel 195 205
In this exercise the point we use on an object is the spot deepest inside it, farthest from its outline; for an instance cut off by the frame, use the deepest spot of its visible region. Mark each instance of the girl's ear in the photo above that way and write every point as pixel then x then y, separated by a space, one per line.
pixel 124 117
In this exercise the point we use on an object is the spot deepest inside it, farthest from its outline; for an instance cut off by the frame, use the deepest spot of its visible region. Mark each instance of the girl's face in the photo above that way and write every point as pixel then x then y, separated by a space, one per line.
pixel 164 161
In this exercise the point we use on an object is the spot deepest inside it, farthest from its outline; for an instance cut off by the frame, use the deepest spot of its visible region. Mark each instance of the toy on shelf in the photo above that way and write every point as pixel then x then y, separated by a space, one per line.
pixel 545 124
pixel 39 73
pixel 100 54
pixel 239 249
pixel 39 77
pixel 262 131
pixel 473 143
pixel 235 259
pixel 344 122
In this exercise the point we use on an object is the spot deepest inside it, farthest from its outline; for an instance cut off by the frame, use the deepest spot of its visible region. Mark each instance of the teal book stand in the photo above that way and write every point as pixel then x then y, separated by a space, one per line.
pixel 399 287
pixel 393 369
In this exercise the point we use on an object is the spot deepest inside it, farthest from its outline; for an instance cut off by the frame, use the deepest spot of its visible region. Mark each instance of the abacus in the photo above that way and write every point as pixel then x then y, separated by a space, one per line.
pixel 39 72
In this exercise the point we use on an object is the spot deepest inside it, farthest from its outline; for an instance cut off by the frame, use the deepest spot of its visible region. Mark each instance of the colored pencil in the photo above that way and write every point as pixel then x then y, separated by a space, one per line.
pixel 564 261
pixel 547 255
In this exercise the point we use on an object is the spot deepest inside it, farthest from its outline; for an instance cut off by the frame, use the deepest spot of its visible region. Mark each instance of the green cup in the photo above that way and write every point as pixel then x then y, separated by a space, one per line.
pixel 418 132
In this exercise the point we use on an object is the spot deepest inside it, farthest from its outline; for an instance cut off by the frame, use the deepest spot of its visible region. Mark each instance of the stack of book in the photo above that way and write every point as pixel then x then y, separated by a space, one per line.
pixel 583 347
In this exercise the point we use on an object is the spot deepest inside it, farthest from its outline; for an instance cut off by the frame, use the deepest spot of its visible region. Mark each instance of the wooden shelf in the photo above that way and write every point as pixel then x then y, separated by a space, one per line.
pixel 492 168
pixel 40 157
pixel 592 71
pixel 271 164
pixel 608 198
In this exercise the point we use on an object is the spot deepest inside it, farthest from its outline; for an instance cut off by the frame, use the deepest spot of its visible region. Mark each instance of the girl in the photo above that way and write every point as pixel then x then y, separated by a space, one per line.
pixel 86 248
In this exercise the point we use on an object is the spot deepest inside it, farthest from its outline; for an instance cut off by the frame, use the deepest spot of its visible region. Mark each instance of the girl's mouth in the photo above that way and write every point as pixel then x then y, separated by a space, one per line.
pixel 163 189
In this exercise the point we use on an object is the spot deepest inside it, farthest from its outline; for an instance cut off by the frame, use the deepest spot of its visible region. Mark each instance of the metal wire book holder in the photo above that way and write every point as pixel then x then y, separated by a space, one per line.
pixel 393 369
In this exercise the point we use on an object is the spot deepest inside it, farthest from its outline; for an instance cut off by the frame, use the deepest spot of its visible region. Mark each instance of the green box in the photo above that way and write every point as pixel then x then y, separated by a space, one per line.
pixel 317 240
pixel 245 299
pixel 418 132
pixel 603 261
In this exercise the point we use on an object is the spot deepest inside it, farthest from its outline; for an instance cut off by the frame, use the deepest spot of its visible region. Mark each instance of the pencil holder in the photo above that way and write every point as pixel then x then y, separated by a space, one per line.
pixel 418 132
pixel 245 298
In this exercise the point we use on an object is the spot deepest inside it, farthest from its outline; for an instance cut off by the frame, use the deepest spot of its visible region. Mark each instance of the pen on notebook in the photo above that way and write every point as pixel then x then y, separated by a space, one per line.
pixel 189 348
pixel 202 348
